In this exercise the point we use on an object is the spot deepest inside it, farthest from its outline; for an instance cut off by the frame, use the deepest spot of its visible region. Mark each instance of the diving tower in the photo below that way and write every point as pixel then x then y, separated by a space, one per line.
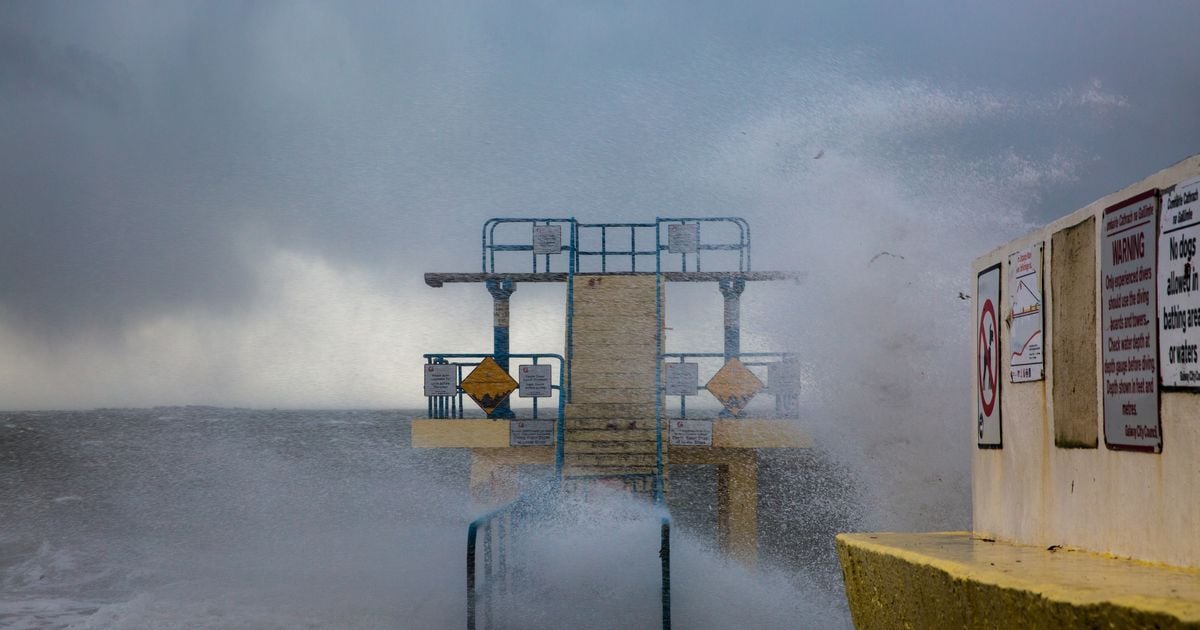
pixel 613 409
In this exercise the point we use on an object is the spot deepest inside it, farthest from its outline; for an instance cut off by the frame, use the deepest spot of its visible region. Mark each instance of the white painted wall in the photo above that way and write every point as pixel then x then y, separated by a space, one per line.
pixel 1140 505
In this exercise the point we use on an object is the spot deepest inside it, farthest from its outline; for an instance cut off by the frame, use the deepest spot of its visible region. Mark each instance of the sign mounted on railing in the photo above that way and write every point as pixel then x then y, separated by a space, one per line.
pixel 682 379
pixel 1025 339
pixel 1179 287
pixel 534 381
pixel 1128 301
pixel 734 385
pixel 547 239
pixel 683 239
pixel 488 384
pixel 441 379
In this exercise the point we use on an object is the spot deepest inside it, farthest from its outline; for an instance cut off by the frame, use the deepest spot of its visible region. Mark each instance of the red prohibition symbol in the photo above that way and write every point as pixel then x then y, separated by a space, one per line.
pixel 989 356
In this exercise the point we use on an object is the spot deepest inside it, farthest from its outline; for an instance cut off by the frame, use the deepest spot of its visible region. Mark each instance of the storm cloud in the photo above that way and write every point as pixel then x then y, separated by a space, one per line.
pixel 233 203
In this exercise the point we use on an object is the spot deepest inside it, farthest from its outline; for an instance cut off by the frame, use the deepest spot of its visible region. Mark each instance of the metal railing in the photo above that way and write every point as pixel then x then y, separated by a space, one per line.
pixel 784 393
pixel 499 532
pixel 664 555
pixel 452 406
pixel 491 247
pixel 623 238
pixel 496 542
pixel 615 232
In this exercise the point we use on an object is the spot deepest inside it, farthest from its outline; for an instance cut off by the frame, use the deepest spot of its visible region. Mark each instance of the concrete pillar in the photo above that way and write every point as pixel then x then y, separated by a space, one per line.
pixel 731 290
pixel 501 290
pixel 494 478
pixel 737 507
pixel 493 481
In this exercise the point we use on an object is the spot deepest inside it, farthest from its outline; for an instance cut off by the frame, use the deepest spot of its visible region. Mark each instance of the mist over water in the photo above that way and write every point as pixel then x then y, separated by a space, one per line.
pixel 224 518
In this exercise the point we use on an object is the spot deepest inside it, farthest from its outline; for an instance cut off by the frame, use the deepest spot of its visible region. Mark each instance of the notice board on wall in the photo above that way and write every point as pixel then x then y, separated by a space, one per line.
pixel 1179 287
pixel 1130 332
pixel 987 358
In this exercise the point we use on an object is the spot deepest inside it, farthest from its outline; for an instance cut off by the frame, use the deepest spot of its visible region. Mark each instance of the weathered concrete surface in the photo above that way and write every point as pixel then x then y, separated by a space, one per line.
pixel 1138 505
pixel 458 433
pixel 609 423
pixel 955 580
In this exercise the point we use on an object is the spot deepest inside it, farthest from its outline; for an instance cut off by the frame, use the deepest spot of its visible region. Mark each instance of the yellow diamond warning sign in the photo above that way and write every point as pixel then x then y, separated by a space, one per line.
pixel 488 384
pixel 734 385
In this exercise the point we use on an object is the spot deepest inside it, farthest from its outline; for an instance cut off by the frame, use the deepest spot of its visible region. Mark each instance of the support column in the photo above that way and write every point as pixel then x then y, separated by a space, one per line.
pixel 493 481
pixel 737 507
pixel 501 290
pixel 731 290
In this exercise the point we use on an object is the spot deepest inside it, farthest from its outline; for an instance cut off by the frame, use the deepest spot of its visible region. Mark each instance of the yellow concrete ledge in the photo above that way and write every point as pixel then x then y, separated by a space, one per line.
pixel 953 580
pixel 744 433
pixel 455 433
pixel 750 433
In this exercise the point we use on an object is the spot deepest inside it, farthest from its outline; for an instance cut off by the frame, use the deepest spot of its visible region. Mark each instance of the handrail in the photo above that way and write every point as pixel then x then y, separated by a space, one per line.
pixel 559 430
pixel 742 246
pixel 575 252
pixel 784 398
pixel 498 530
pixel 658 350
pixel 489 247
pixel 664 554
pixel 494 560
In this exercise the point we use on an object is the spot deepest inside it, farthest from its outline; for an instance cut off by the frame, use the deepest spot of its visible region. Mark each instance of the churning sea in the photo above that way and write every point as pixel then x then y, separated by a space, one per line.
pixel 200 517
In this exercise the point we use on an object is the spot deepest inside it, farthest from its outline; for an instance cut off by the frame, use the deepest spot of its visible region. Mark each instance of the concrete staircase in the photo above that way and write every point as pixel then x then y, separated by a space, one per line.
pixel 609 423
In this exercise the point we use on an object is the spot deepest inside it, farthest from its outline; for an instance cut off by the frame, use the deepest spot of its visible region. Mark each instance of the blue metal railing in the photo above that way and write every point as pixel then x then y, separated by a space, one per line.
pixel 784 394
pixel 611 232
pixel 495 541
pixel 452 406
pixel 575 253
pixel 497 529
pixel 664 554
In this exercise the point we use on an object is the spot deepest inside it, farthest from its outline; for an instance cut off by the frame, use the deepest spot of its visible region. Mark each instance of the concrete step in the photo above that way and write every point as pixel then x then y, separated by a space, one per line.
pixel 611 447
pixel 623 460
pixel 637 357
pixel 609 424
pixel 596 317
pixel 618 410
pixel 581 470
pixel 607 373
pixel 585 395
pixel 609 435
pixel 586 283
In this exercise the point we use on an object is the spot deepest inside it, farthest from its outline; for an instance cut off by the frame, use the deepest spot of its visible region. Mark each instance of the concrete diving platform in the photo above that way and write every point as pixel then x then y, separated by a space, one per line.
pixel 484 433
pixel 437 280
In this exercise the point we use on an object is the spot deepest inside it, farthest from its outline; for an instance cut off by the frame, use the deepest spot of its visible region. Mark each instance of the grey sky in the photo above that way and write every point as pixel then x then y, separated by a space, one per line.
pixel 160 161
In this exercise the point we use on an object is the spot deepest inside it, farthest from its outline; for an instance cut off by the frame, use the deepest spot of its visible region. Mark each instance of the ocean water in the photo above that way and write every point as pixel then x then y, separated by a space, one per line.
pixel 201 517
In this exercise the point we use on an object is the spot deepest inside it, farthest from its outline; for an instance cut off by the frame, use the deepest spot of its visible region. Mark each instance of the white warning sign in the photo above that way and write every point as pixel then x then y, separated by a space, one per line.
pixel 682 379
pixel 530 432
pixel 1025 341
pixel 1128 299
pixel 547 239
pixel 441 379
pixel 534 381
pixel 1179 287
pixel 683 239
pixel 691 433
pixel 987 358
